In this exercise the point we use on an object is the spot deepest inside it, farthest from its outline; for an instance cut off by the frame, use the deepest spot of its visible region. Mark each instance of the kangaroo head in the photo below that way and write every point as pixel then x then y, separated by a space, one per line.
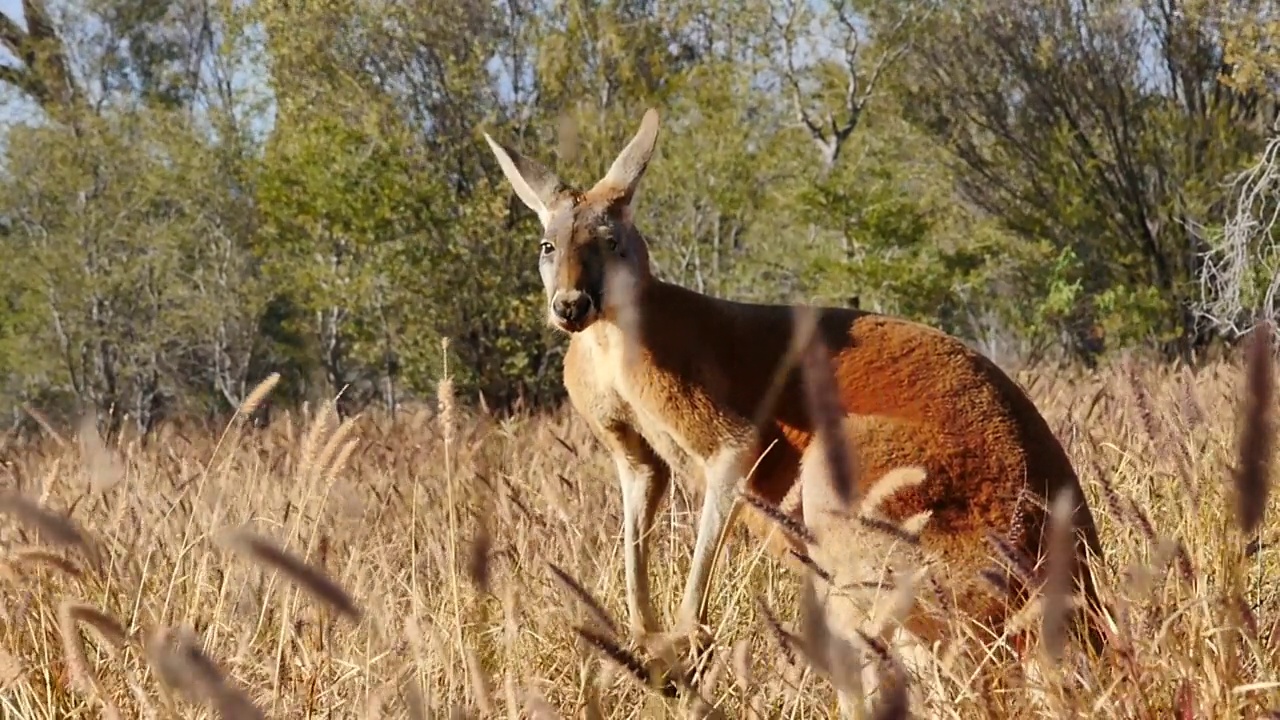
pixel 585 235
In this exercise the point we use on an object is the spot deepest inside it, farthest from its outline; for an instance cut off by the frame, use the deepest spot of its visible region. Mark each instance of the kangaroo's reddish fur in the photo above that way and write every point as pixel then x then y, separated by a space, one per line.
pixel 688 394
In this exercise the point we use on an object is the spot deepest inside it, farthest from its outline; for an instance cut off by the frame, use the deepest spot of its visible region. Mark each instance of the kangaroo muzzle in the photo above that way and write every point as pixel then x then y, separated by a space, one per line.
pixel 571 308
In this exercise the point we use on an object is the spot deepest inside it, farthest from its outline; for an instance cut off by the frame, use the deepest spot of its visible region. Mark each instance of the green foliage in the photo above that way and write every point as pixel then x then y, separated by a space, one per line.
pixel 889 232
pixel 1059 129
pixel 302 187
pixel 339 201
pixel 1064 290
pixel 112 248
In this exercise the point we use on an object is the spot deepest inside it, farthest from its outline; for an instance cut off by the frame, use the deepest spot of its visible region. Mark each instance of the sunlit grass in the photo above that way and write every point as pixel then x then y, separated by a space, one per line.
pixel 379 610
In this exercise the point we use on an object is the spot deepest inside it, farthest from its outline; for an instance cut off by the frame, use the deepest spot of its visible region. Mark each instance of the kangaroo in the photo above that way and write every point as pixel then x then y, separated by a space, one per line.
pixel 668 378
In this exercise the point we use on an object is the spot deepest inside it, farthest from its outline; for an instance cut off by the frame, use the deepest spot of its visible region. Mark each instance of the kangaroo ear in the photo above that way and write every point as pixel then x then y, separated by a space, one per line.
pixel 627 169
pixel 536 186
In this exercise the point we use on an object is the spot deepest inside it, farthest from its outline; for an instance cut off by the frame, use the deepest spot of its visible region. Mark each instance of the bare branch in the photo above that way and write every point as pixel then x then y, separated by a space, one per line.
pixel 1240 275
pixel 21 79
pixel 889 58
pixel 46 75
pixel 792 76
pixel 11 35
pixel 830 134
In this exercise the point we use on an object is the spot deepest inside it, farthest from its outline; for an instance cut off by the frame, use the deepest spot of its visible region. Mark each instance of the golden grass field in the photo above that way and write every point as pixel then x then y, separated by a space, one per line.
pixel 129 541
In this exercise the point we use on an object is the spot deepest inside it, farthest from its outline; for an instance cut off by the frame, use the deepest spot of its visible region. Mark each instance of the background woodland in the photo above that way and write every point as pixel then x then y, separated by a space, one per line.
pixel 197 193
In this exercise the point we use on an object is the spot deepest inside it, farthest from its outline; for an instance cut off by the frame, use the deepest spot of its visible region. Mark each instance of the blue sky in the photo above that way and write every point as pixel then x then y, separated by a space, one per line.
pixel 12 8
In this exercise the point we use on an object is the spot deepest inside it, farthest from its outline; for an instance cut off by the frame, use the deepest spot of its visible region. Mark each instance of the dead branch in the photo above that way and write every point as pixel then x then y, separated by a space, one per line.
pixel 830 132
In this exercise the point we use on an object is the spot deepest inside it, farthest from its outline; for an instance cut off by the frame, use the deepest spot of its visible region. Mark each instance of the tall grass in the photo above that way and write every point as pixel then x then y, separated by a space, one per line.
pixel 460 565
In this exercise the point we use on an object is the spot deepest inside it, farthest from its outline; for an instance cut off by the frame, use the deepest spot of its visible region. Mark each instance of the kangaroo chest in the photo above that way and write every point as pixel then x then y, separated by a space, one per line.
pixel 676 414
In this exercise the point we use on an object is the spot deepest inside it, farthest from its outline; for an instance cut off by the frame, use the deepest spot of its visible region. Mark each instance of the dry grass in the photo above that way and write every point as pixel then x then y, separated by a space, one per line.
pixel 309 570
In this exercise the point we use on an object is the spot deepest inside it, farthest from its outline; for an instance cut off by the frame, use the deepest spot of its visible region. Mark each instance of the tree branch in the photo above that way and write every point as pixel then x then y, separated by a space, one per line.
pixel 839 124
pixel 12 36
pixel 46 73
pixel 792 76
pixel 1234 291
pixel 21 79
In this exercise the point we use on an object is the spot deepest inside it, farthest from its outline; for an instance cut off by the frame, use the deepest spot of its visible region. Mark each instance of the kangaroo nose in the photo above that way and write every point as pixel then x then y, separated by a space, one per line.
pixel 572 308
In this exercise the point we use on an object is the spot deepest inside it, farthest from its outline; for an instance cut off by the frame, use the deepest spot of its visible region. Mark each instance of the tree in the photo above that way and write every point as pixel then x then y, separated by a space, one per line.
pixel 1240 275
pixel 1066 135
pixel 1239 279
pixel 212 191
pixel 106 225
pixel 44 73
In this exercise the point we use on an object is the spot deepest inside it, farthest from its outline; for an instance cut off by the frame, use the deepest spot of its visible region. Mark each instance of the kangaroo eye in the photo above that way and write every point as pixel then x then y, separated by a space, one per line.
pixel 546 248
